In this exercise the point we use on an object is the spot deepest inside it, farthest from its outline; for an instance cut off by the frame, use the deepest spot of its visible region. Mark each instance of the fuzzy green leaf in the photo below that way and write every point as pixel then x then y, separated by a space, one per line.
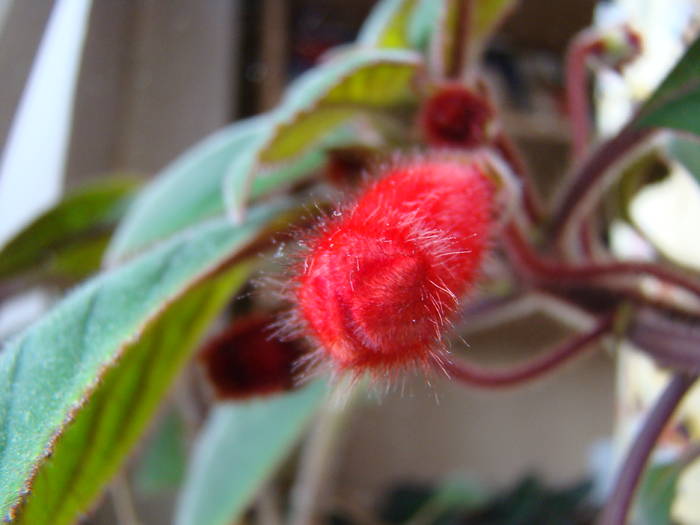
pixel 66 241
pixel 423 23
pixel 676 102
pixel 239 448
pixel 79 385
pixel 184 193
pixel 190 190
pixel 356 81
pixel 96 442
pixel 308 119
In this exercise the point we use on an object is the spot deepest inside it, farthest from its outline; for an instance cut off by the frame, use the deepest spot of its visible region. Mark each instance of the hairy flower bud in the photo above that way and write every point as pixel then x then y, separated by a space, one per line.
pixel 384 278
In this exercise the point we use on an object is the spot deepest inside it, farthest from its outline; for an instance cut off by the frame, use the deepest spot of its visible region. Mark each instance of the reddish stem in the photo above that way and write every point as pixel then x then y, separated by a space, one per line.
pixel 582 46
pixel 672 341
pixel 532 202
pixel 539 366
pixel 590 179
pixel 617 508
pixel 461 40
pixel 555 273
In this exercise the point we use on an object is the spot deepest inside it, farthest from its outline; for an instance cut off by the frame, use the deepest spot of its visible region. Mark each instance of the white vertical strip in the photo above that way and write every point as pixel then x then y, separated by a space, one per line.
pixel 33 162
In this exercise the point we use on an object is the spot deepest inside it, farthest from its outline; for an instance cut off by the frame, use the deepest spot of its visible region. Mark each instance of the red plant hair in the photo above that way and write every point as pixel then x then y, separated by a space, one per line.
pixel 383 279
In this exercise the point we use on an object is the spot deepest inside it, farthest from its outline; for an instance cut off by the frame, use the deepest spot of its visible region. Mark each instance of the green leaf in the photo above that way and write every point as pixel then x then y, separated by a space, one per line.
pixel 67 240
pixel 186 192
pixel 161 466
pixel 313 108
pixel 239 448
pixel 681 112
pixel 80 384
pixel 676 102
pixel 101 435
pixel 423 24
pixel 356 81
pixel 388 25
pixel 190 190
pixel 656 493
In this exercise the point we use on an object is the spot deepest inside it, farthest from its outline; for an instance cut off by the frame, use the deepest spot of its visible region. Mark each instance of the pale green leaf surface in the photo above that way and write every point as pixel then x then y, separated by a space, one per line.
pixel 186 192
pixel 48 372
pixel 191 189
pixel 422 24
pixel 222 171
pixel 239 448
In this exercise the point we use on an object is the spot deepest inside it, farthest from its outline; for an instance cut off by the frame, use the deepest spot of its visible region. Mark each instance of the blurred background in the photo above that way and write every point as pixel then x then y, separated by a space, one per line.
pixel 158 75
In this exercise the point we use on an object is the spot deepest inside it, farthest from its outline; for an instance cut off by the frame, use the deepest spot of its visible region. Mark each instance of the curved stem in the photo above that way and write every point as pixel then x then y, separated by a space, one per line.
pixel 493 312
pixel 480 377
pixel 578 108
pixel 317 458
pixel 532 201
pixel 123 501
pixel 589 180
pixel 617 507
pixel 672 342
pixel 549 272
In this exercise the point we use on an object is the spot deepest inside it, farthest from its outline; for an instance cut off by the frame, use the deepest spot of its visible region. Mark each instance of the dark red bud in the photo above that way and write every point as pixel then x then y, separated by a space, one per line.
pixel 245 360
pixel 455 116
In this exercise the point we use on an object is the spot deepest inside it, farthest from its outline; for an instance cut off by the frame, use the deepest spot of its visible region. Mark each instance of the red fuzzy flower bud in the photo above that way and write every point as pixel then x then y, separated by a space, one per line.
pixel 455 116
pixel 245 361
pixel 384 278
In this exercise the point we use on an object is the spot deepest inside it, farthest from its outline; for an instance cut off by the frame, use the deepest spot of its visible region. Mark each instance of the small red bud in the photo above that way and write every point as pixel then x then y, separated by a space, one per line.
pixel 455 116
pixel 245 360
pixel 384 278
pixel 346 166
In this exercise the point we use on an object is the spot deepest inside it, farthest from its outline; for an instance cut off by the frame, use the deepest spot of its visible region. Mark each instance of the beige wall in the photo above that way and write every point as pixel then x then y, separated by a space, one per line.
pixel 157 77
pixel 546 427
